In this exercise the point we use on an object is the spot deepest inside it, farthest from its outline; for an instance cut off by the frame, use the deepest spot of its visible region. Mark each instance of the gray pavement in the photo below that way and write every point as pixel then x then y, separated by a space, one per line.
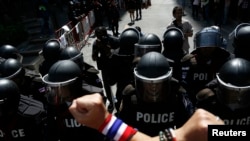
pixel 154 20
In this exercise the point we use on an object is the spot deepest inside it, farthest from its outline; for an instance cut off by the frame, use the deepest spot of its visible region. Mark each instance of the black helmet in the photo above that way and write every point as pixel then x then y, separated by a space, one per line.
pixel 72 53
pixel 148 42
pixel 9 96
pixel 101 33
pixel 64 74
pixel 234 83
pixel 173 39
pixel 152 76
pixel 11 68
pixel 51 50
pixel 128 38
pixel 210 37
pixel 9 51
pixel 241 38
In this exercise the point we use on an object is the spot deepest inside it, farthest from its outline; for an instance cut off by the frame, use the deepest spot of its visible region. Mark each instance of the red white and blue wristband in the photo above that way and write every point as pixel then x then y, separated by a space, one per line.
pixel 116 129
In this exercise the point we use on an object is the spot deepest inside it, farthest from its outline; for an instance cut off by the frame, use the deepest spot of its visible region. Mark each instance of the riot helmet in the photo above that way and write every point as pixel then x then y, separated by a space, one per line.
pixel 63 82
pixel 209 37
pixel 51 50
pixel 73 54
pixel 148 42
pixel 9 97
pixel 234 83
pixel 12 69
pixel 152 78
pixel 128 38
pixel 241 38
pixel 9 51
pixel 173 39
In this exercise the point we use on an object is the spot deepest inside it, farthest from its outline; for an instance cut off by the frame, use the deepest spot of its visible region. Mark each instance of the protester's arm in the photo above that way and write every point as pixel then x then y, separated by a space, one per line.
pixel 91 111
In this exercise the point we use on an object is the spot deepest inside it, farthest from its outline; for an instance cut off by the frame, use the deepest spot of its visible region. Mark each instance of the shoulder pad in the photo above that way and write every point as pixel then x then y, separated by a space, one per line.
pixel 30 107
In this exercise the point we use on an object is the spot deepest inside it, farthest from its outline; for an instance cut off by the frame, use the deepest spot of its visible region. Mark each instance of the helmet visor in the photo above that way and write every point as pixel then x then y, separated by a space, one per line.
pixel 209 39
pixel 234 97
pixel 153 89
pixel 58 95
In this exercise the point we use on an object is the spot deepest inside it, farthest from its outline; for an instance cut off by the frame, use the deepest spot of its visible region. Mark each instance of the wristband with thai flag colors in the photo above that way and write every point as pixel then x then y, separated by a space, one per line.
pixel 116 129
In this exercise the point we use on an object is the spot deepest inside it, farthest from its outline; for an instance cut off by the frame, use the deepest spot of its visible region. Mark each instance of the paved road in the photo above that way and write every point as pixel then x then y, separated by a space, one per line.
pixel 154 20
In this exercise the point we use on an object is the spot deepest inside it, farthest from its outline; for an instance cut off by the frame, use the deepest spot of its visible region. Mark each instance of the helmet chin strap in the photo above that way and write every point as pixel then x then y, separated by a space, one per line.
pixel 59 93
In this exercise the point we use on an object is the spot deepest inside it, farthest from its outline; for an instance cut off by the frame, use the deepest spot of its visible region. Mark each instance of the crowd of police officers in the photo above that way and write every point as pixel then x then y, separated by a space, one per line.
pixel 156 89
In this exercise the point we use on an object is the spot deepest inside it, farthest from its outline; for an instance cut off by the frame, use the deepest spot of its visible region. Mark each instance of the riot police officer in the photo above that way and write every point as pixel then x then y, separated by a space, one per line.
pixel 155 102
pixel 9 51
pixel 51 54
pixel 229 98
pixel 102 52
pixel 64 84
pixel 201 65
pixel 148 42
pixel 28 84
pixel 122 60
pixel 21 118
pixel 173 39
pixel 241 37
pixel 89 72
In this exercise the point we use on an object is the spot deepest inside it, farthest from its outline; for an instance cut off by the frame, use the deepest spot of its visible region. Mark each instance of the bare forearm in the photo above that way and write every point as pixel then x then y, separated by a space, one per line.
pixel 143 137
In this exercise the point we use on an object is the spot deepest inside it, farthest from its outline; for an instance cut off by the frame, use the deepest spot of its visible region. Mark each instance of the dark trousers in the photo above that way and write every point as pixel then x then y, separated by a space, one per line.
pixel 138 13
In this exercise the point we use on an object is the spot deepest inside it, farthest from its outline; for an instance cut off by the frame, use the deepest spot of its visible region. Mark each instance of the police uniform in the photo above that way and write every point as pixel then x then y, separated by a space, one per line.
pixel 228 98
pixel 157 102
pixel 28 81
pixel 68 129
pixel 150 118
pixel 27 124
pixel 196 72
pixel 199 68
pixel 229 116
pixel 123 61
pixel 64 84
